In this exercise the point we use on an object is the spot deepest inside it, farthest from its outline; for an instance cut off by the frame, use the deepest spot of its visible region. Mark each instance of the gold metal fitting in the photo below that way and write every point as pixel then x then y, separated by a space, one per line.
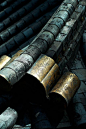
pixel 65 88
pixel 46 71
pixel 3 60
pixel 14 57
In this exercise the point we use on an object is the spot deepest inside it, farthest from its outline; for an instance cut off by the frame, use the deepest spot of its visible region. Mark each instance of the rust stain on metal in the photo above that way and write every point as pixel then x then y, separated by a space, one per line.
pixel 3 60
pixel 66 87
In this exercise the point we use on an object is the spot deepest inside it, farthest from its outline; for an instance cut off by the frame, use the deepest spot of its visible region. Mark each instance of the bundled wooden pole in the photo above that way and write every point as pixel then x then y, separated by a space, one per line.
pixel 14 17
pixel 24 35
pixel 9 10
pixel 20 65
pixel 5 4
pixel 8 118
pixel 22 23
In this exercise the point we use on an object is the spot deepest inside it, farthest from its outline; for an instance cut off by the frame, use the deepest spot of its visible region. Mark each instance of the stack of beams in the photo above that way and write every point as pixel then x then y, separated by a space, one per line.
pixel 63 21
pixel 58 41
pixel 41 44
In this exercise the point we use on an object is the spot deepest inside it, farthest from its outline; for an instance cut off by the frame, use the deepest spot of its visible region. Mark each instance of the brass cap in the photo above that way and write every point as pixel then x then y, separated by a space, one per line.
pixel 65 88
pixel 3 61
pixel 46 72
